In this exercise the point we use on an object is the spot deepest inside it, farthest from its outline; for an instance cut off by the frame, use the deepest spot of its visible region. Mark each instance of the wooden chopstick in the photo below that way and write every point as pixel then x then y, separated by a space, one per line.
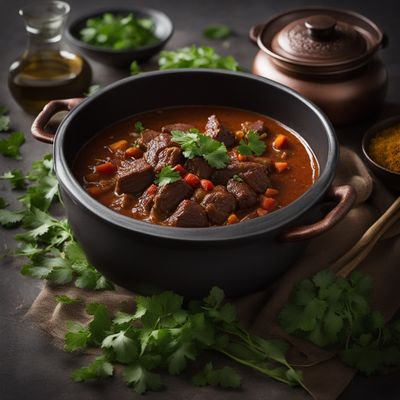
pixel 350 260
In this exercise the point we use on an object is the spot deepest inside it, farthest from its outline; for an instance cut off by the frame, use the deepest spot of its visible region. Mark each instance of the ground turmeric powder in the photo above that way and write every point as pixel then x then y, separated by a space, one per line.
pixel 384 148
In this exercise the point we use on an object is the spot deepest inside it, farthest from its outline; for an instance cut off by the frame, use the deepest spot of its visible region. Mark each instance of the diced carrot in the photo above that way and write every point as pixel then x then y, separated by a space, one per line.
pixel 152 189
pixel 241 157
pixel 179 168
pixel 268 203
pixel 281 166
pixel 239 135
pixel 94 191
pixel 261 212
pixel 134 152
pixel 271 192
pixel 119 145
pixel 106 168
pixel 192 179
pixel 207 185
pixel 232 219
pixel 280 142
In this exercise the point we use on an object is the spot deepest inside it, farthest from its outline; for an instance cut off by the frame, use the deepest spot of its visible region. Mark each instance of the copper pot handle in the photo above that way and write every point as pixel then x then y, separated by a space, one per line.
pixel 49 110
pixel 255 31
pixel 345 195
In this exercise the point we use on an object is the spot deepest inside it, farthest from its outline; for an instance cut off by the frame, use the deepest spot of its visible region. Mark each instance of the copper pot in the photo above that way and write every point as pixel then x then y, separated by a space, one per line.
pixel 329 56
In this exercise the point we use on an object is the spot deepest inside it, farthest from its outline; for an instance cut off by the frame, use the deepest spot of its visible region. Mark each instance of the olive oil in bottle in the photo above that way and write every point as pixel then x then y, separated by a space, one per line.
pixel 46 70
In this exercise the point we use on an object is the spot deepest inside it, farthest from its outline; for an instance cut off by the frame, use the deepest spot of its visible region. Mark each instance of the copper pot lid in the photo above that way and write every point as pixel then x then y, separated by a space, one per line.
pixel 320 37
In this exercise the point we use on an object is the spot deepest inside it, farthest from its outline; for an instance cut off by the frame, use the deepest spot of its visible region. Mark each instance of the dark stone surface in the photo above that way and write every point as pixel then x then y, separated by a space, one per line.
pixel 30 367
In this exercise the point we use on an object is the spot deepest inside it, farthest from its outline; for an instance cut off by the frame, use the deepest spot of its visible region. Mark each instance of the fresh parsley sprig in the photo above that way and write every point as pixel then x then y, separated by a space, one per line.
pixel 196 144
pixel 333 311
pixel 163 335
pixel 253 145
pixel 167 175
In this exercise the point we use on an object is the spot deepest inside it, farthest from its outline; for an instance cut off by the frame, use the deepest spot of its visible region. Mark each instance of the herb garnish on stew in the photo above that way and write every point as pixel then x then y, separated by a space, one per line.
pixel 167 175
pixel 254 145
pixel 194 144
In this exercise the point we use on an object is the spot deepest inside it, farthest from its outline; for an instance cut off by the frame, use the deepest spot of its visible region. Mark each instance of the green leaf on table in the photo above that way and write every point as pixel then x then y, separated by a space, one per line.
pixel 134 68
pixel 77 336
pixel 217 32
pixel 3 203
pixel 10 146
pixel 64 299
pixel 99 368
pixel 141 379
pixel 100 323
pixel 124 347
pixel 4 123
pixel 9 218
pixel 16 177
pixel 225 377
pixel 177 360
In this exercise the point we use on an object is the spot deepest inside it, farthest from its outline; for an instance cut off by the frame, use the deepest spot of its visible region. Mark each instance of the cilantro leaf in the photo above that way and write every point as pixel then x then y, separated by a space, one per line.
pixel 77 336
pixel 217 32
pixel 195 144
pixel 9 147
pixel 124 347
pixel 139 127
pixel 3 203
pixel 237 178
pixel 177 360
pixel 16 177
pixel 254 145
pixel 101 322
pixel 141 379
pixel 196 57
pixel 225 377
pixel 9 218
pixel 99 368
pixel 167 175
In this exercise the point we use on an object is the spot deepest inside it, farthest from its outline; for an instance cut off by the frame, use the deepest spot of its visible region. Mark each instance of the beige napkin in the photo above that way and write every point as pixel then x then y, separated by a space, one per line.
pixel 258 311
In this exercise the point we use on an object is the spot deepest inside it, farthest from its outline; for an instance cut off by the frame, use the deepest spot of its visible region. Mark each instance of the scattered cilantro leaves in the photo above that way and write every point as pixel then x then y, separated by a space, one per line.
pixel 334 311
pixel 4 119
pixel 9 147
pixel 16 177
pixel 217 32
pixel 196 57
pixel 167 175
pixel 119 32
pixel 197 144
pixel 254 145
pixel 162 334
pixel 64 299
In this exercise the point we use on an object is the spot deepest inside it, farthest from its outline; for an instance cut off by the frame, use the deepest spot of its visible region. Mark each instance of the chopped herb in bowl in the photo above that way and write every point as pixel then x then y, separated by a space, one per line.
pixel 119 32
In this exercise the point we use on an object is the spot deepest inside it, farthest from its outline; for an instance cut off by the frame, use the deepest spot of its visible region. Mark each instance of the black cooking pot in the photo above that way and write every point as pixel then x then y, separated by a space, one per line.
pixel 238 258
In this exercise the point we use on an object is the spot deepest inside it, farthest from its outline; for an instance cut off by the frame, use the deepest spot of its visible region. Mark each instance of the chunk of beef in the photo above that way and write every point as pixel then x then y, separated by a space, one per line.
pixel 189 214
pixel 217 131
pixel 154 147
pixel 180 126
pixel 122 202
pixel 168 156
pixel 257 178
pixel 219 204
pixel 146 137
pixel 168 197
pixel 244 195
pixel 199 195
pixel 144 205
pixel 222 176
pixel 199 166
pixel 134 176
pixel 255 126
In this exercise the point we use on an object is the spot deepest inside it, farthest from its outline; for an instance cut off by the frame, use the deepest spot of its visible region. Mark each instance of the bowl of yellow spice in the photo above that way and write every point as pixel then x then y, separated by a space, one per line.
pixel 381 148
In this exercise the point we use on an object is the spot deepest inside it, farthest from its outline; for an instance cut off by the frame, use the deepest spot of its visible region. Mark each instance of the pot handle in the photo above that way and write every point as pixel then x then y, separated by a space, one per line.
pixel 49 110
pixel 255 31
pixel 345 195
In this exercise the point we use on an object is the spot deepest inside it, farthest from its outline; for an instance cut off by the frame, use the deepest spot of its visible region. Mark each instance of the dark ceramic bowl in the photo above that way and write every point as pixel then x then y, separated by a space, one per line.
pixel 239 258
pixel 390 178
pixel 122 58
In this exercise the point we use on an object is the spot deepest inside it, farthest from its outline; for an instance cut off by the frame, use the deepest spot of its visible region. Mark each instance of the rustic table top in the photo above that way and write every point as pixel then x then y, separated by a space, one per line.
pixel 29 365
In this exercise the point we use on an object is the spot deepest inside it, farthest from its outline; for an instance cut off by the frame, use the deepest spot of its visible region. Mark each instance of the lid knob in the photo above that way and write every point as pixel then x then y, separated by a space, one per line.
pixel 321 27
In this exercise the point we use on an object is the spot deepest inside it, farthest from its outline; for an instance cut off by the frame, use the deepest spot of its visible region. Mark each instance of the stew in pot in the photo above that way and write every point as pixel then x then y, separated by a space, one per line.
pixel 196 166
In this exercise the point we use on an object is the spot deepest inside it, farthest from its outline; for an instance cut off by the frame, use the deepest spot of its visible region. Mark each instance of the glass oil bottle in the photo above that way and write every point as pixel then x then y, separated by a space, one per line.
pixel 46 70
